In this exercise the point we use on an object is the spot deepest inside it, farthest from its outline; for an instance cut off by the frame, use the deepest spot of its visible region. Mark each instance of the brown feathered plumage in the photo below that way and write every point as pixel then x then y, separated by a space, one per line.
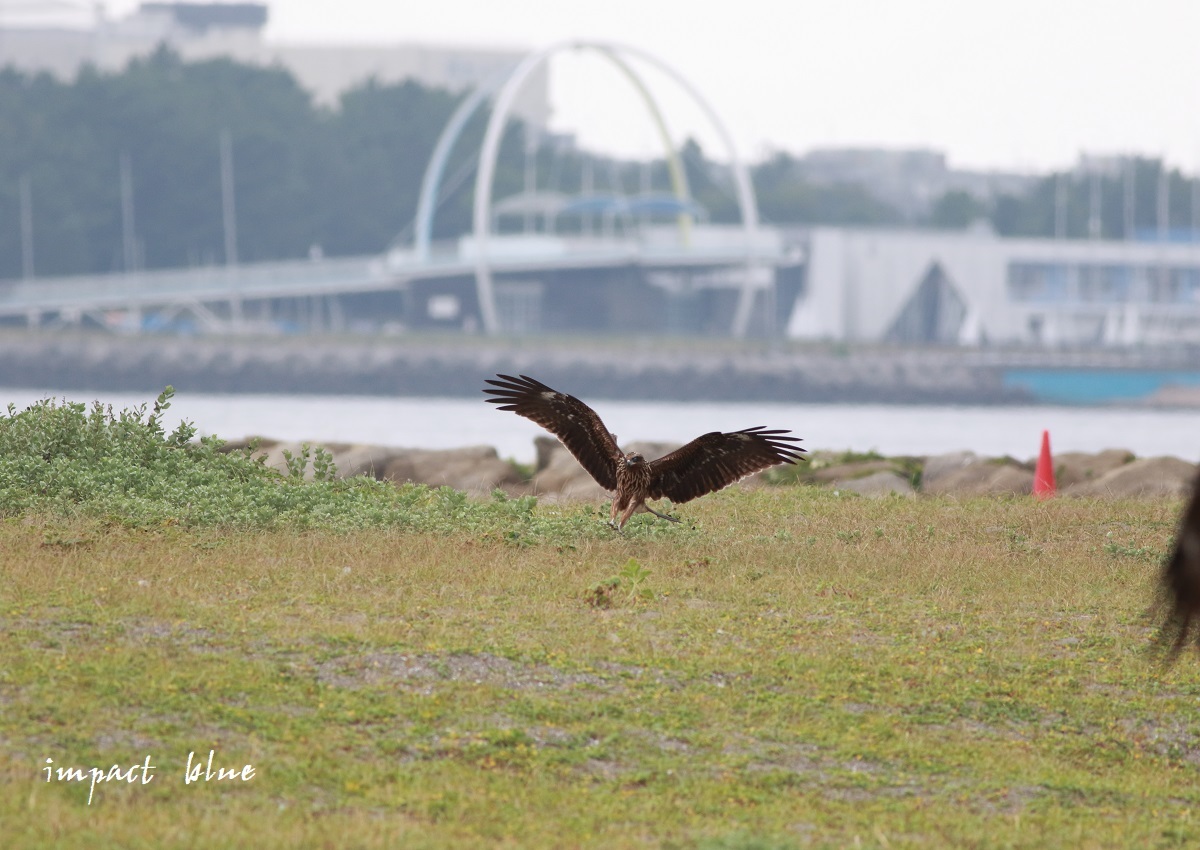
pixel 705 465
pixel 1180 584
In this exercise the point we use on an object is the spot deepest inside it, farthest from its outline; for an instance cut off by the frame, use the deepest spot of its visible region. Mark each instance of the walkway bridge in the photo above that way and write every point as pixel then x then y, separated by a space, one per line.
pixel 233 297
pixel 491 282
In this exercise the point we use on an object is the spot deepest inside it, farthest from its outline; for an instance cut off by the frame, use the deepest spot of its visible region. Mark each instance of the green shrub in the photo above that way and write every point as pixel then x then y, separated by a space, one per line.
pixel 66 460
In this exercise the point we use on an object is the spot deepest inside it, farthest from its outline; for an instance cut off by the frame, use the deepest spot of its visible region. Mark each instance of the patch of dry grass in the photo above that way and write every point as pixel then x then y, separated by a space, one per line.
pixel 803 669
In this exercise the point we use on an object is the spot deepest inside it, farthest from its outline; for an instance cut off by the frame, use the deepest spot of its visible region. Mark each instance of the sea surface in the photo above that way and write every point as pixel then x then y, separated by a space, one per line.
pixel 454 422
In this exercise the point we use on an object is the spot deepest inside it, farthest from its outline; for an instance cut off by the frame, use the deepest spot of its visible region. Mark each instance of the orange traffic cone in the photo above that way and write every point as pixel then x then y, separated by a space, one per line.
pixel 1043 476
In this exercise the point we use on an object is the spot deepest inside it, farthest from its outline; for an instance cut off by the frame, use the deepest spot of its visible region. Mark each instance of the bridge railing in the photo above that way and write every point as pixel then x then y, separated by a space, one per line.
pixel 167 285
pixel 708 245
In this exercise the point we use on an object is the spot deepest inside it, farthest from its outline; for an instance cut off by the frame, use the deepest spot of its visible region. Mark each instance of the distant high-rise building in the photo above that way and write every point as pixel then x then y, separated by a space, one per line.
pixel 60 39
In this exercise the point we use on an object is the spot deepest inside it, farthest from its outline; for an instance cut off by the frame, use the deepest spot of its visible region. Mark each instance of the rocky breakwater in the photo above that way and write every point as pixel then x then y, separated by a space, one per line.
pixel 557 477
pixel 713 370
pixel 1113 473
pixel 476 470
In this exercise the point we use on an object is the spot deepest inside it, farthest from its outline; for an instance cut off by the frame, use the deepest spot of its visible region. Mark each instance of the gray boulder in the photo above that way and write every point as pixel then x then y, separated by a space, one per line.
pixel 877 485
pixel 1147 477
pixel 982 478
pixel 1075 467
pixel 939 467
pixel 475 469
pixel 845 471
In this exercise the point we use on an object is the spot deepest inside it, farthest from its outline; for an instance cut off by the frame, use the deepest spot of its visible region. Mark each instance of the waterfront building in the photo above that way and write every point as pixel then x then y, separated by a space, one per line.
pixel 974 287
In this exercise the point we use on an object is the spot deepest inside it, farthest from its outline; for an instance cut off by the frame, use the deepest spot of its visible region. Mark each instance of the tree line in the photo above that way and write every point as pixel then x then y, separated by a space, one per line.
pixel 344 179
pixel 124 169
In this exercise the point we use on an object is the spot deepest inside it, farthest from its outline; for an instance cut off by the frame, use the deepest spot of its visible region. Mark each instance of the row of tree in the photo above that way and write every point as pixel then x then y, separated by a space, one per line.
pixel 345 179
pixel 113 170
pixel 1136 200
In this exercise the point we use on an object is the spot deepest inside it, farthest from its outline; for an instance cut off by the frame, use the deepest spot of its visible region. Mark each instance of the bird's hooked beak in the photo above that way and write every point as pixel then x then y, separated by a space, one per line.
pixel 633 459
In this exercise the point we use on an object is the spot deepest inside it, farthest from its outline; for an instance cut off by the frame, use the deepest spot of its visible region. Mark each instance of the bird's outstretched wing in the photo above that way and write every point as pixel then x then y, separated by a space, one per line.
pixel 1180 583
pixel 566 417
pixel 716 460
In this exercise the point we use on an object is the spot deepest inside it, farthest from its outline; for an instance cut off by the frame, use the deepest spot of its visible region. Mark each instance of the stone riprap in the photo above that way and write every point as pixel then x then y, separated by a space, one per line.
pixel 479 470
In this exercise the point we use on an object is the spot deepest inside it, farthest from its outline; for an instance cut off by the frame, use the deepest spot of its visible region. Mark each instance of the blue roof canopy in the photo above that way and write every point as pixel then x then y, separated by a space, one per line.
pixel 648 204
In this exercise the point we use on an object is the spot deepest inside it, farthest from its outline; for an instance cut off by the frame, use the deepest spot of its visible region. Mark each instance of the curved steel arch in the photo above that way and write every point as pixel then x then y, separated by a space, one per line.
pixel 489 151
pixel 678 175
pixel 431 181
pixel 435 168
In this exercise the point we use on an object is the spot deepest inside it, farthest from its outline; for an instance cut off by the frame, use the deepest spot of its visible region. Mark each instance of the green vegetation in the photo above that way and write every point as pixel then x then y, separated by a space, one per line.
pixel 105 469
pixel 1035 212
pixel 788 667
pixel 347 178
pixel 627 584
pixel 820 464
pixel 786 195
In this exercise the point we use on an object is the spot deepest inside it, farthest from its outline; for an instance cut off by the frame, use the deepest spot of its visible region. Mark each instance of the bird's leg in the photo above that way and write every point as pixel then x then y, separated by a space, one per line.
pixel 626 514
pixel 662 516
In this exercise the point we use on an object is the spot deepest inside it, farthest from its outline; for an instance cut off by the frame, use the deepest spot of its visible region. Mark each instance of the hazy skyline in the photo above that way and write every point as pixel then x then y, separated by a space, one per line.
pixel 1023 85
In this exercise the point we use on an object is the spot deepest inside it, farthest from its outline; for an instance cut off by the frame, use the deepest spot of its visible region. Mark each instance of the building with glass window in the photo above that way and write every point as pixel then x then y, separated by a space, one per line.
pixel 974 287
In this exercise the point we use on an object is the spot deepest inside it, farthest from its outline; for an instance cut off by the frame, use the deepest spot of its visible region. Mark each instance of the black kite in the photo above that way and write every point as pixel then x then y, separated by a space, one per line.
pixel 705 465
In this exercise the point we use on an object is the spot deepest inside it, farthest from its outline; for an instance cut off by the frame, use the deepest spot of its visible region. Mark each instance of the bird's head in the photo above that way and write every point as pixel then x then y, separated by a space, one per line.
pixel 634 458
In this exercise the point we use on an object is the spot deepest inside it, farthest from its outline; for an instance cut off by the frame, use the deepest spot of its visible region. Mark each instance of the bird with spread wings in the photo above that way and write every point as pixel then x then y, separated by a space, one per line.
pixel 1180 581
pixel 706 464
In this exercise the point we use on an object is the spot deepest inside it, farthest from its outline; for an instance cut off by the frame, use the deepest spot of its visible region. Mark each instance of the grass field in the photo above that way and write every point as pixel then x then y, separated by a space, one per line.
pixel 373 666
pixel 790 668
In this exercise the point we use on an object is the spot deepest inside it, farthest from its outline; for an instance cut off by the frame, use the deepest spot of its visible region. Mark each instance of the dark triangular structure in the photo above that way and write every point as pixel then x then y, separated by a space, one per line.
pixel 934 314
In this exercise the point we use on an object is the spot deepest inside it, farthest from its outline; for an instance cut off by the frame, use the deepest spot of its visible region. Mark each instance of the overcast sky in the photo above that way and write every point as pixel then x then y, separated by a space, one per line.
pixel 1025 84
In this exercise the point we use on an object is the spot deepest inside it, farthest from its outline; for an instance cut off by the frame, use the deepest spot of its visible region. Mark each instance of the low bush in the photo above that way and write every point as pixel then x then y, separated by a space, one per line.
pixel 68 460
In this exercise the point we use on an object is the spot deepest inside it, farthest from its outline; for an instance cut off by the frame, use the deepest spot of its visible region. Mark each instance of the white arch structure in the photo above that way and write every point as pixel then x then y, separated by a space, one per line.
pixel 505 94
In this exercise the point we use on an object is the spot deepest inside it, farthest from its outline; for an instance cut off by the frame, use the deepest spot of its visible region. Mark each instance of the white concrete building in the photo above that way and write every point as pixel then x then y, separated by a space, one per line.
pixel 972 287
pixel 61 45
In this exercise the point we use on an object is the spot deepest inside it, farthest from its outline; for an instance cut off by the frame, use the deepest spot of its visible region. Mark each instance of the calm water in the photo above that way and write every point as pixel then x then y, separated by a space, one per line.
pixel 890 429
